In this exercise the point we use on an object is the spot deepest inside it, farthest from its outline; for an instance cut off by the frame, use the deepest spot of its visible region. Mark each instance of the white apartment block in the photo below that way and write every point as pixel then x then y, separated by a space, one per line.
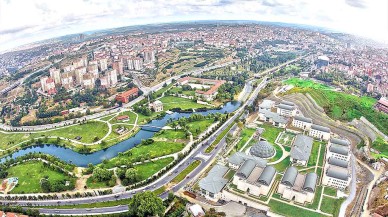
pixel 302 122
pixel 320 132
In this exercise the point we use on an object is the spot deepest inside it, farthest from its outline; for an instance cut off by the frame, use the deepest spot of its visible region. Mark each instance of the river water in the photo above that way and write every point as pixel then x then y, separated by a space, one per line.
pixel 97 157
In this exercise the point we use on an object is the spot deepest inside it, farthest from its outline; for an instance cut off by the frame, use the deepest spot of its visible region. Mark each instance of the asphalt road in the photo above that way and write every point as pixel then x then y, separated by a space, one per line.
pixel 83 212
pixel 200 150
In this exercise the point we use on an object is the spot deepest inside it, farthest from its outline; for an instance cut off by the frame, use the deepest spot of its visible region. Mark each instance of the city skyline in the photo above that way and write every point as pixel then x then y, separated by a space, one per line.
pixel 46 19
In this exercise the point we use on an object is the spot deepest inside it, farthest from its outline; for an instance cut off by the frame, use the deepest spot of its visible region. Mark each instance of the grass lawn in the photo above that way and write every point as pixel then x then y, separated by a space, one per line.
pixel 297 82
pixel 197 127
pixel 106 118
pixel 148 169
pixel 314 154
pixel 87 131
pixel 290 210
pixel 185 172
pixel 230 174
pixel 278 154
pixel 246 133
pixel 322 154
pixel 160 190
pixel 331 205
pixel 170 102
pixel 381 145
pixel 282 166
pixel 270 133
pixel 91 183
pixel 330 191
pixel 170 135
pixel 346 107
pixel 218 139
pixel 317 196
pixel 30 174
pixel 143 152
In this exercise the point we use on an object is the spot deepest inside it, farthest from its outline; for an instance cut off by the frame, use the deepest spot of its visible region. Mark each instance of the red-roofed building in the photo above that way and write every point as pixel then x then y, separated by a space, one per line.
pixel 382 105
pixel 127 96
pixel 209 94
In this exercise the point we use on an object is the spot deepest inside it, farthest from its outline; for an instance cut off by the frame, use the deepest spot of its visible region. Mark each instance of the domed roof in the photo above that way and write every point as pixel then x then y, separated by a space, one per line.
pixel 262 149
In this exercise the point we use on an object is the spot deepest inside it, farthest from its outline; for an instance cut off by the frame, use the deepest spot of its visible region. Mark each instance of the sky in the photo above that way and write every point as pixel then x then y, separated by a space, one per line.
pixel 26 21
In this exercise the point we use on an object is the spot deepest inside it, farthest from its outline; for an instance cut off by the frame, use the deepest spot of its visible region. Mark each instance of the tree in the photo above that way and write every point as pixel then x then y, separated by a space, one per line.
pixel 146 204
pixel 45 185
pixel 101 174
pixel 132 175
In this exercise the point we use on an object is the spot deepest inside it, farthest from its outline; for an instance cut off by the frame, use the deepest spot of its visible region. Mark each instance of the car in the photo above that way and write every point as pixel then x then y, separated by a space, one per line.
pixel 116 196
pixel 88 209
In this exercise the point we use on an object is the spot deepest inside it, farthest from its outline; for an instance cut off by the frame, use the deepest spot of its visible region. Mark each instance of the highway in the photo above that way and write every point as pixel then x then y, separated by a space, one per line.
pixel 146 91
pixel 87 211
pixel 166 178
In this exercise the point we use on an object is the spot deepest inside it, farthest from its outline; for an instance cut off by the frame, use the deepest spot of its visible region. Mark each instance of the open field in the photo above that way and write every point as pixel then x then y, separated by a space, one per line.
pixel 246 133
pixel 148 169
pixel 170 102
pixel 330 191
pixel 30 174
pixel 283 165
pixel 314 154
pixel 197 127
pixel 88 132
pixel 130 114
pixel 297 82
pixel 185 172
pixel 290 210
pixel 144 152
pixel 270 133
pixel 346 107
pixel 331 205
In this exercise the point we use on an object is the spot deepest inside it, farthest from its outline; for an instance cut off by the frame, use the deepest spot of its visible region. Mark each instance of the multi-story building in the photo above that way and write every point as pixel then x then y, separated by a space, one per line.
pixel 297 186
pixel 103 64
pixel 112 76
pixel 56 75
pixel 67 80
pixel 127 96
pixel 286 108
pixel 79 74
pixel 302 122
pixel 338 151
pixel 301 149
pixel 137 63
pixel 93 69
pixel 48 85
pixel 118 66
pixel 88 81
pixel 382 105
pixel 320 132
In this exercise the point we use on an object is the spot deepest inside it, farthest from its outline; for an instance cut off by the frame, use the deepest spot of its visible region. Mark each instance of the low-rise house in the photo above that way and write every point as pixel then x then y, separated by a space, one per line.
pixel 302 122
pixel 211 186
pixel 266 105
pixel 286 108
pixel 274 118
pixel 157 106
pixel 320 132
pixel 301 149
pixel 298 187
pixel 196 210
pixel 254 178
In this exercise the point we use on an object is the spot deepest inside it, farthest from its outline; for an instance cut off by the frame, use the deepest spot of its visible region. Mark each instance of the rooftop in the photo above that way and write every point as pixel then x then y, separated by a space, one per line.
pixel 301 149
pixel 214 181
pixel 320 128
pixel 304 119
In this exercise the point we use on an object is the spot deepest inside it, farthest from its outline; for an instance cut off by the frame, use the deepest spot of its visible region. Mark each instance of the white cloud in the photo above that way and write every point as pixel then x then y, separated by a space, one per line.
pixel 27 21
